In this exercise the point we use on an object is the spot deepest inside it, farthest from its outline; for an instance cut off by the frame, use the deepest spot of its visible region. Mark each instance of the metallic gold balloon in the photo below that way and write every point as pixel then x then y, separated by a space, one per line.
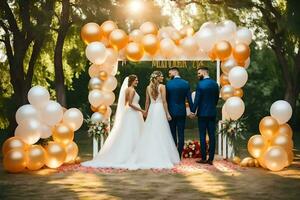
pixel 107 27
pixel 236 160
pixel 78 160
pixel 241 52
pixel 251 163
pixel 283 140
pixel 55 154
pixel 261 162
pixel 118 39
pixel 256 146
pixel 134 51
pixel 238 92
pixel 223 50
pixel 136 36
pixel 245 161
pixel 227 65
pixel 103 75
pixel 14 143
pixel 15 160
pixel 91 32
pixel 186 31
pixel 285 129
pixel 150 44
pixel 256 163
pixel 212 55
pixel 227 91
pixel 72 152
pixel 149 28
pixel 224 80
pixel 94 70
pixel 290 157
pixel 102 109
pixel 36 157
pixel 268 127
pixel 275 158
pixel 94 109
pixel 63 134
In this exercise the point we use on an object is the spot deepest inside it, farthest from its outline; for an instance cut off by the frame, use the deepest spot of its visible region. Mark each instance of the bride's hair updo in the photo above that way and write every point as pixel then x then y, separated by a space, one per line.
pixel 131 79
pixel 154 83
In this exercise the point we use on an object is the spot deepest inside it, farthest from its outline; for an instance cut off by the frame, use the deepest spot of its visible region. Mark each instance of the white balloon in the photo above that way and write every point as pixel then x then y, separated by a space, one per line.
pixel 52 113
pixel 206 39
pixel 73 118
pixel 96 52
pixel 167 47
pixel 224 33
pixel 45 131
pixel 225 115
pixel 38 96
pixel 235 107
pixel 96 98
pixel 209 25
pixel 189 46
pixel 229 24
pixel 108 98
pixel 238 77
pixel 110 84
pixel 95 83
pixel 111 56
pixel 26 112
pixel 29 131
pixel 97 117
pixel 243 35
pixel 282 111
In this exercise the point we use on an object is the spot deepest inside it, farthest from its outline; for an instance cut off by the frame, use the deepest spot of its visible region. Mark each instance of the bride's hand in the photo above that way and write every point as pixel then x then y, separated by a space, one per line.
pixel 144 113
pixel 169 117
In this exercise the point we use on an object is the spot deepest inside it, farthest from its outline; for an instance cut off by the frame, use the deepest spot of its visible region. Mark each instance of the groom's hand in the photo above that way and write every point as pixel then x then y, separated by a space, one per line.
pixel 192 116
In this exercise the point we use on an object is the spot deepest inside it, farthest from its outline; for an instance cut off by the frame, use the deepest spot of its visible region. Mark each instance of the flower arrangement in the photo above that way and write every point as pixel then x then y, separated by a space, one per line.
pixel 191 149
pixel 96 129
pixel 234 130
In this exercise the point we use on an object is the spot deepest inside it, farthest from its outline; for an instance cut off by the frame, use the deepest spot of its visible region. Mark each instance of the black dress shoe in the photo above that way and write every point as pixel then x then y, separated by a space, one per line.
pixel 210 162
pixel 201 161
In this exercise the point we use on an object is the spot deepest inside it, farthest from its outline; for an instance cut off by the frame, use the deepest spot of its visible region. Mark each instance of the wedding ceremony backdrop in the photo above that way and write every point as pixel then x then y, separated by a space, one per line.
pixel 255 65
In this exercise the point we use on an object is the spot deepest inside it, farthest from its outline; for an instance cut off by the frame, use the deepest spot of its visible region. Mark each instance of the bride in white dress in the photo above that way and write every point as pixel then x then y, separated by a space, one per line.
pixel 156 148
pixel 124 136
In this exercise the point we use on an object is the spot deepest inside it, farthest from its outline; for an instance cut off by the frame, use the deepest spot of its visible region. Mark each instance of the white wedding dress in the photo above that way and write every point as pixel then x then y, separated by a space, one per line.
pixel 125 134
pixel 156 148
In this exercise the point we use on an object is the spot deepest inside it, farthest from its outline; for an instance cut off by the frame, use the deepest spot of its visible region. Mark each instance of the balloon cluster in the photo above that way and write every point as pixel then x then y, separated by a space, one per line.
pixel 42 118
pixel 274 147
pixel 221 41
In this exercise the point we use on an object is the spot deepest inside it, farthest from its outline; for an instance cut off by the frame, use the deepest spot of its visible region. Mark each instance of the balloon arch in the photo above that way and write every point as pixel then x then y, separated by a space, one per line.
pixel 224 43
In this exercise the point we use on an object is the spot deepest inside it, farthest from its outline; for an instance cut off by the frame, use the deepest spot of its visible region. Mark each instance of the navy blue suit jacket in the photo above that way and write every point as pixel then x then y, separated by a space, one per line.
pixel 206 99
pixel 178 90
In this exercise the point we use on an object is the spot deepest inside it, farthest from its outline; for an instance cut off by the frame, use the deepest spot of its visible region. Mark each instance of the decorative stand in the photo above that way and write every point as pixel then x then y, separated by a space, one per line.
pixel 98 142
pixel 225 149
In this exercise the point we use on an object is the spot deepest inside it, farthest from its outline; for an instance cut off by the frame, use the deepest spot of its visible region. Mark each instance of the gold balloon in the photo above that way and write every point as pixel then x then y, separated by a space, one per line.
pixel 212 55
pixel 78 160
pixel 149 28
pixel 275 158
pixel 63 134
pixel 224 80
pixel 175 36
pixel 55 154
pixel 94 109
pixel 134 51
pixel 13 143
pixel 227 65
pixel 36 157
pixel 283 140
pixel 186 31
pixel 285 129
pixel 72 152
pixel 15 160
pixel 91 32
pixel 268 127
pixel 251 163
pixel 136 36
pixel 290 157
pixel 256 146
pixel 256 163
pixel 227 91
pixel 241 52
pixel 150 44
pixel 103 75
pixel 261 162
pixel 107 27
pixel 236 160
pixel 118 39
pixel 238 92
pixel 223 50
pixel 245 161
pixel 102 109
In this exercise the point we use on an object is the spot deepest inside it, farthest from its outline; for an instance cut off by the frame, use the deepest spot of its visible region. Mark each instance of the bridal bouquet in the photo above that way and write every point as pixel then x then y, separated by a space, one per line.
pixel 191 149
pixel 96 129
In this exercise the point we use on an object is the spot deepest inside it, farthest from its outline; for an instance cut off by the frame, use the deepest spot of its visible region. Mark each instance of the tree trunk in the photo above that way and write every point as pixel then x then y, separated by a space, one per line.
pixel 58 54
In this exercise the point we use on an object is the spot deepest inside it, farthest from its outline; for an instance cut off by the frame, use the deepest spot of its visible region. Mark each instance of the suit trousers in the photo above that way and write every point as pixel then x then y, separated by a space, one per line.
pixel 177 126
pixel 207 125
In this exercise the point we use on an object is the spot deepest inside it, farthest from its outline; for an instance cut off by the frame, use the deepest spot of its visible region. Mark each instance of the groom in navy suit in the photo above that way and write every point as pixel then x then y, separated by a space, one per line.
pixel 178 91
pixel 205 103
